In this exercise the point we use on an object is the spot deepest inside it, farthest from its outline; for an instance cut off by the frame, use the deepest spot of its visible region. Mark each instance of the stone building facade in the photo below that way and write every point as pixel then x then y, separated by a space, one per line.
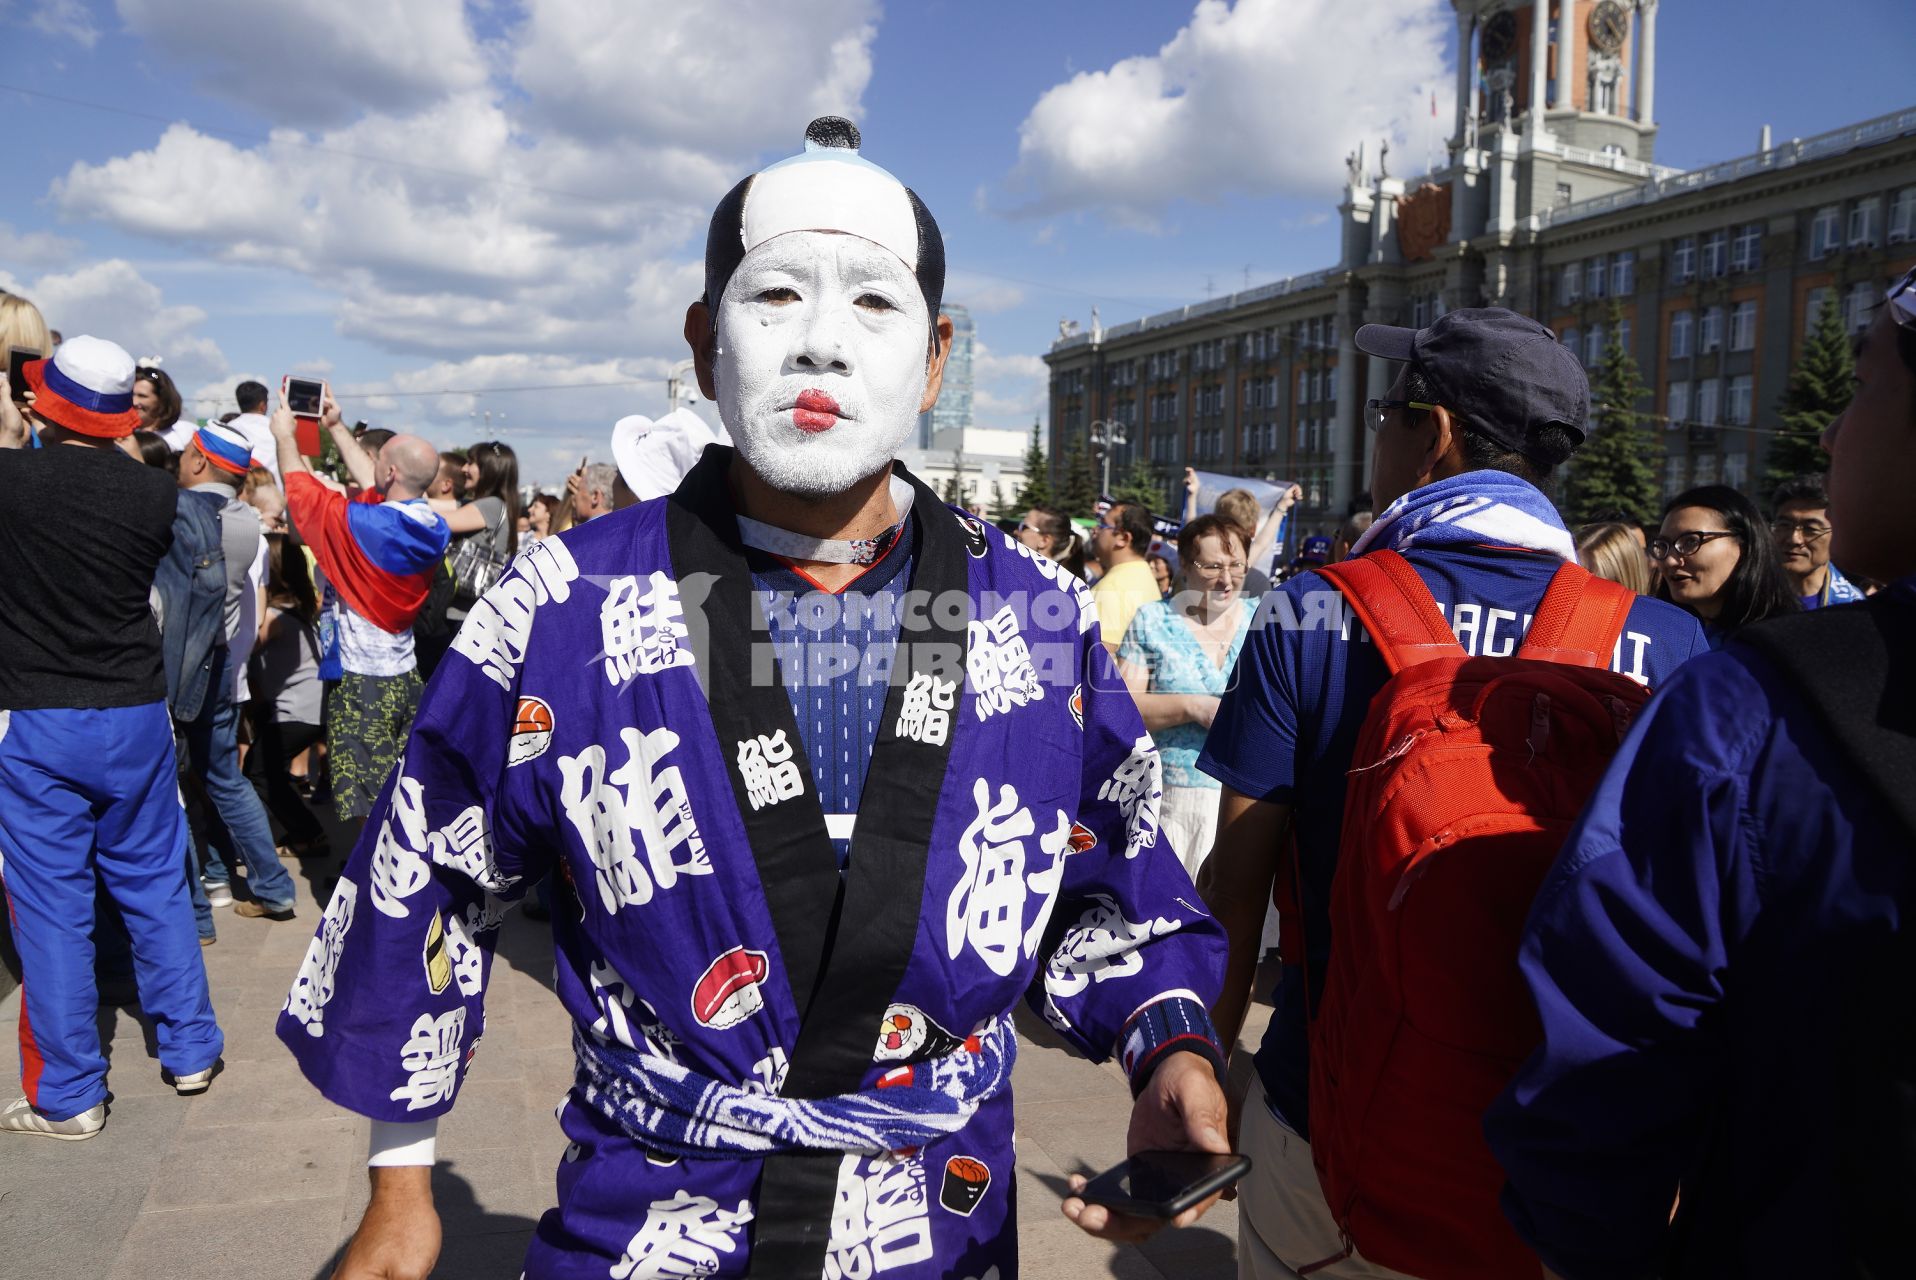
pixel 1556 213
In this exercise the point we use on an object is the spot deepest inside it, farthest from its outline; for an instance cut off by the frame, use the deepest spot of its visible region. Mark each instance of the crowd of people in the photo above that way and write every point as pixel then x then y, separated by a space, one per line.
pixel 1582 855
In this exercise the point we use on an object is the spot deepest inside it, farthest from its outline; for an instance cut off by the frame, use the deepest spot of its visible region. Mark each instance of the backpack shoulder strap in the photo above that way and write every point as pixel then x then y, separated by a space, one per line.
pixel 1579 621
pixel 1848 661
pixel 1395 607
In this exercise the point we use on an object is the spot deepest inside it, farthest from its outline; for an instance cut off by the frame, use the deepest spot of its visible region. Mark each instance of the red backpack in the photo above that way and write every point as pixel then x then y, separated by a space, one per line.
pixel 1467 776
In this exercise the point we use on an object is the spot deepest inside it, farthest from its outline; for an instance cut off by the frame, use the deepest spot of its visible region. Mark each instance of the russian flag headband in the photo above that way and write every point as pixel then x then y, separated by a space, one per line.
pixel 224 450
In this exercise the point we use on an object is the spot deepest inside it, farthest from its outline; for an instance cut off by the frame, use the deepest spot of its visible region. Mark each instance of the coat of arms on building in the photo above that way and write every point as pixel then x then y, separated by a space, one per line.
pixel 1423 221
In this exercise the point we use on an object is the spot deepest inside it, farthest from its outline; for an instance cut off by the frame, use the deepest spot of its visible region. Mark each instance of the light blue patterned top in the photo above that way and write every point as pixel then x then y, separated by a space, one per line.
pixel 1160 640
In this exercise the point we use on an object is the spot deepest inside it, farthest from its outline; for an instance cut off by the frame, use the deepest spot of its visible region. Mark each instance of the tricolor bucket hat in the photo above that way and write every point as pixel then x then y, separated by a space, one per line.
pixel 85 386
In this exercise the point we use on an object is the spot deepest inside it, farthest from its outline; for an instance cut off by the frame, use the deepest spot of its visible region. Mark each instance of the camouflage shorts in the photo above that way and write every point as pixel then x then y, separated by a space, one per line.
pixel 367 720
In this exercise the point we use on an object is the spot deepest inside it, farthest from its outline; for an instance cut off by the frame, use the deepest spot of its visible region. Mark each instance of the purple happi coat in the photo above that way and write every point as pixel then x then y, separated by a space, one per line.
pixel 599 718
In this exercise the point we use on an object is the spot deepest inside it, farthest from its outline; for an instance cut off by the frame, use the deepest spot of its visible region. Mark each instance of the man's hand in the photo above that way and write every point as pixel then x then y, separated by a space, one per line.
pixel 1181 1109
pixel 283 425
pixel 329 416
pixel 398 1236
pixel 1289 498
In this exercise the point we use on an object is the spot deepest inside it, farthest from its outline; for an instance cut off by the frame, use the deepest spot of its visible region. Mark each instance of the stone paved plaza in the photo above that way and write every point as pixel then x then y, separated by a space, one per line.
pixel 262 1178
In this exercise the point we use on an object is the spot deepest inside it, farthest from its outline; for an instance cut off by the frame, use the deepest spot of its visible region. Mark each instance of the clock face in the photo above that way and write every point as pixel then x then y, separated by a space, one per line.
pixel 1500 35
pixel 1609 26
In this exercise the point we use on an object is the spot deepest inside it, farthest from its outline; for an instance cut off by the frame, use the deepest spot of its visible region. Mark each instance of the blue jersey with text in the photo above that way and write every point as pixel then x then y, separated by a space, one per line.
pixel 1286 730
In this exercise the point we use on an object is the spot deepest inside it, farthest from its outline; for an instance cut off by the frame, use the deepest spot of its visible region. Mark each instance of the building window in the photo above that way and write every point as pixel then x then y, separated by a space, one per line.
pixel 1683 260
pixel 1593 346
pixel 1303 386
pixel 1856 306
pixel 1623 333
pixel 1707 393
pixel 1593 276
pixel 1706 468
pixel 1743 327
pixel 1826 231
pixel 1572 341
pixel 1737 410
pixel 1736 470
pixel 1709 333
pixel 1716 254
pixel 1570 283
pixel 1746 251
pixel 1682 324
pixel 1672 476
pixel 1862 223
pixel 1813 308
pixel 1902 216
pixel 1563 195
pixel 1623 274
pixel 1676 404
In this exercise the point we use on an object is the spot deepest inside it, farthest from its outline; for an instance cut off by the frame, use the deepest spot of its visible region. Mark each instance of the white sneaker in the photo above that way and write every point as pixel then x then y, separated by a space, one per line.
pixel 20 1117
pixel 195 1083
pixel 218 893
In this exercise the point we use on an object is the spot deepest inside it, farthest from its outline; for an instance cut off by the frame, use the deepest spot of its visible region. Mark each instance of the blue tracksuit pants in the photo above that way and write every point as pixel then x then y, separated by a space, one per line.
pixel 86 794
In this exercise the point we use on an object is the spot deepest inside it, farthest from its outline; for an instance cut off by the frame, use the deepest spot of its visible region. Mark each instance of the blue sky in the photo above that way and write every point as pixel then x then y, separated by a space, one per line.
pixel 496 195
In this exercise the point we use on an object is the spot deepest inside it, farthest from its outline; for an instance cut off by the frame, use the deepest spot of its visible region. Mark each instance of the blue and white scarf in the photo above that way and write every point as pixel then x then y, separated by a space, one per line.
pixel 676 1112
pixel 1477 508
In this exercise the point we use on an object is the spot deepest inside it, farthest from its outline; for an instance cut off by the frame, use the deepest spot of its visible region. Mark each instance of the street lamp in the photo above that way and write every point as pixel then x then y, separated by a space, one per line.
pixel 1107 434
pixel 675 385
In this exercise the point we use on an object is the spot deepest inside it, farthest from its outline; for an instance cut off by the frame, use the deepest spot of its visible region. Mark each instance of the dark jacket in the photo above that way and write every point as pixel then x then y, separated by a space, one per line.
pixel 191 582
pixel 1694 957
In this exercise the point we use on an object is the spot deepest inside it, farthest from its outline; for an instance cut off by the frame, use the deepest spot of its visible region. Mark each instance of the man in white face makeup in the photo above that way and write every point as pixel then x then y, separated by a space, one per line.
pixel 827 776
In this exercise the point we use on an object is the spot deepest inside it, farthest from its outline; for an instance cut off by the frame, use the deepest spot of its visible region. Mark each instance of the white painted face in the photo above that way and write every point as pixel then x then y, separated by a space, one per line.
pixel 823 341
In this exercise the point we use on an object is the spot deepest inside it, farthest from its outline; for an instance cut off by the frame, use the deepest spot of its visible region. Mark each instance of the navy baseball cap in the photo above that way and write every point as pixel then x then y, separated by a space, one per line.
pixel 1504 374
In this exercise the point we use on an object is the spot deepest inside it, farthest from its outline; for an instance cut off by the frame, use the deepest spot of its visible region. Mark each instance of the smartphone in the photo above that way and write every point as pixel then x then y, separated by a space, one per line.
pixel 17 359
pixel 305 397
pixel 1163 1184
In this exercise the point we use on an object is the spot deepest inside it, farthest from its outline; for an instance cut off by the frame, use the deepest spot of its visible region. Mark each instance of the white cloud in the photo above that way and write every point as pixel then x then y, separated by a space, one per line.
pixel 1007 391
pixel 35 248
pixel 316 61
pixel 62 19
pixel 983 295
pixel 729 78
pixel 112 300
pixel 1264 97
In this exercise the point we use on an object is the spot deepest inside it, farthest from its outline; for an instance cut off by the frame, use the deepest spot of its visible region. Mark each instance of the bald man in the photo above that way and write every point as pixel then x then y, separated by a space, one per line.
pixel 378 551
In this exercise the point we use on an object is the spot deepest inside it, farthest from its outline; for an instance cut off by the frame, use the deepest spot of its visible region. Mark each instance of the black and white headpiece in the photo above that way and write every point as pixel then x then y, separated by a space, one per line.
pixel 826 187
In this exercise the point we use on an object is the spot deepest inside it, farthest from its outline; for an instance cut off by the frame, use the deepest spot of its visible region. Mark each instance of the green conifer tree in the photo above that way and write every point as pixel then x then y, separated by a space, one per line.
pixel 1819 387
pixel 1616 469
pixel 1002 508
pixel 1141 486
pixel 1078 493
pixel 1037 486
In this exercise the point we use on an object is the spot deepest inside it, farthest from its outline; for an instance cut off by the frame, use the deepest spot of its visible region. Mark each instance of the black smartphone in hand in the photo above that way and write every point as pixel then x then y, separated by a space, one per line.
pixel 17 360
pixel 1163 1184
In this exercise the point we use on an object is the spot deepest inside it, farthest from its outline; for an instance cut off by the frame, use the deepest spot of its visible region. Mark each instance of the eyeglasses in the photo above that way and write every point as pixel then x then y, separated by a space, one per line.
pixel 1810 530
pixel 1221 566
pixel 1375 411
pixel 1109 528
pixel 1684 545
pixel 1902 300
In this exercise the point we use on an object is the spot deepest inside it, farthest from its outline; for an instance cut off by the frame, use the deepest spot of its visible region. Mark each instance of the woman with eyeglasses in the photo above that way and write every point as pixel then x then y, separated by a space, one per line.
pixel 1714 556
pixel 1048 531
pixel 1176 659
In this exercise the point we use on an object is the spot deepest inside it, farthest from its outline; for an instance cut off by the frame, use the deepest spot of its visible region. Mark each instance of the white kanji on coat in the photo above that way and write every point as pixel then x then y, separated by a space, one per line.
pixel 431 1054
pixel 1136 787
pixel 465 845
pixel 313 985
pixel 1102 945
pixel 926 713
pixel 463 946
pixel 880 1217
pixel 998 662
pixel 642 632
pixel 613 997
pixel 636 823
pixel 683 1236
pixel 1046 883
pixel 499 625
pixel 397 870
pixel 987 905
pixel 766 767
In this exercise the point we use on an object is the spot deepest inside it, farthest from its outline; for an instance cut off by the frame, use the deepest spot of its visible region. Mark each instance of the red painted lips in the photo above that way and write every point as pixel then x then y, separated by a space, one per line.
pixel 815 411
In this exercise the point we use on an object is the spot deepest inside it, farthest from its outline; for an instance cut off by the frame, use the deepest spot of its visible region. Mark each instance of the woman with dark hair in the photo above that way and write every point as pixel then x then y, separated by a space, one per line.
pixel 1715 557
pixel 158 401
pixel 539 515
pixel 1176 660
pixel 490 517
pixel 287 696
pixel 1048 531
pixel 155 452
